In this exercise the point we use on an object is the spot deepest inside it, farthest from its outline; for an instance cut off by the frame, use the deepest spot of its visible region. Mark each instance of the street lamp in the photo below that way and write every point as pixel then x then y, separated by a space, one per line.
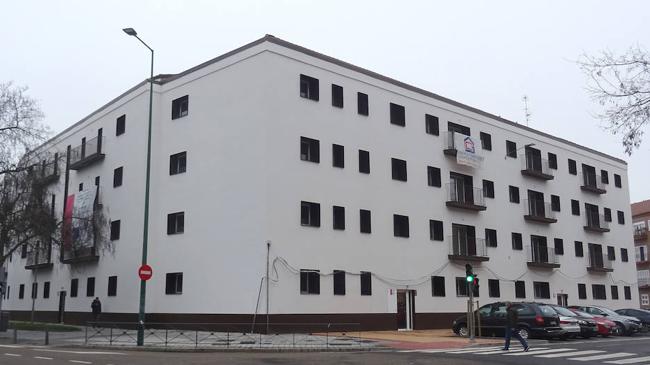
pixel 145 233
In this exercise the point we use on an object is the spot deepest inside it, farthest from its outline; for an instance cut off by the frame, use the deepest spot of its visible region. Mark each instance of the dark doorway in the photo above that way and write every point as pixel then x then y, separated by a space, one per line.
pixel 405 309
pixel 62 295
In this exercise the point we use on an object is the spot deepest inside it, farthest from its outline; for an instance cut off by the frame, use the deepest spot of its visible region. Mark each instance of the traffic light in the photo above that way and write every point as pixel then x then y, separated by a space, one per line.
pixel 474 286
pixel 476 281
pixel 469 273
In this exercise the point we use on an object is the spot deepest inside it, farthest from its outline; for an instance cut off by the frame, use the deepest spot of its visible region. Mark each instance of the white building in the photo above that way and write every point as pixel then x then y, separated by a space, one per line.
pixel 355 180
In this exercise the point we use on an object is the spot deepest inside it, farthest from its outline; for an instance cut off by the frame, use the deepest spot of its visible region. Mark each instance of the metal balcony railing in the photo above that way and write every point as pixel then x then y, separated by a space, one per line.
pixel 593 183
pixel 86 153
pixel 541 255
pixel 599 262
pixel 539 210
pixel 535 167
pixel 39 256
pixel 640 232
pixel 79 254
pixel 460 195
pixel 595 222
pixel 463 247
pixel 643 282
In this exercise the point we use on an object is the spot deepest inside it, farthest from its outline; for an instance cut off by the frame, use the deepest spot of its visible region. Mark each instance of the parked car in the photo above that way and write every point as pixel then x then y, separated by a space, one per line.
pixel 535 320
pixel 625 325
pixel 586 327
pixel 642 315
pixel 605 326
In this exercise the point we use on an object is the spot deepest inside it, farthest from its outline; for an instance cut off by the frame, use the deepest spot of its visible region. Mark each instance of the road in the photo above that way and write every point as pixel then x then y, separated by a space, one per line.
pixel 612 351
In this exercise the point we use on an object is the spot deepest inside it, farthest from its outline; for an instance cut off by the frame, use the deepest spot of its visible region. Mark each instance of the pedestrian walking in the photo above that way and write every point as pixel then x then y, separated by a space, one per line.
pixel 97 310
pixel 512 318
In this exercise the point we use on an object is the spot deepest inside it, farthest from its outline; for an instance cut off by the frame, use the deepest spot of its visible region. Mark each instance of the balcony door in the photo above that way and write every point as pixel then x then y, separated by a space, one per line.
pixel 533 159
pixel 589 175
pixel 596 255
pixel 461 188
pixel 539 249
pixel 463 239
pixel 536 203
pixel 591 211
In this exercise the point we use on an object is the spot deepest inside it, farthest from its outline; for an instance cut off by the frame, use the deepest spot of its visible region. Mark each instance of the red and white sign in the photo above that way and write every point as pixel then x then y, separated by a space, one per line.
pixel 145 272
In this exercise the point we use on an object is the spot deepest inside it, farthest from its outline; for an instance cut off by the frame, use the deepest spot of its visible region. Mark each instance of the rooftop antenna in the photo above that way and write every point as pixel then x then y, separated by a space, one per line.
pixel 527 112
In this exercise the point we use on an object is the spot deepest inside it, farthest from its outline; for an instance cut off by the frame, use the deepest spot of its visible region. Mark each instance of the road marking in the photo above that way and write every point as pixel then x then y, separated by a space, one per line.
pixel 603 357
pixel 80 362
pixel 43 358
pixel 576 353
pixel 12 346
pixel 537 352
pixel 471 350
pixel 82 352
pixel 510 352
pixel 629 361
pixel 433 351
pixel 14 355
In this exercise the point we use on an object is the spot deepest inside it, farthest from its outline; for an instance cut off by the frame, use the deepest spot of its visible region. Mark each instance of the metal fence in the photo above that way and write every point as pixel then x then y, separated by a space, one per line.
pixel 538 208
pixel 536 164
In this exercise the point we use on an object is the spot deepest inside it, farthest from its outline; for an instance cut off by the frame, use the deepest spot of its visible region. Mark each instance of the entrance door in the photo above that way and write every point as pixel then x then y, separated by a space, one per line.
pixel 405 309
pixel 62 294
pixel 563 300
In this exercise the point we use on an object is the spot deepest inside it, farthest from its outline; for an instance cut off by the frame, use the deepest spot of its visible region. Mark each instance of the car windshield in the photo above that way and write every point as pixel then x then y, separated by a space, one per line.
pixel 564 312
pixel 547 311
pixel 608 311
pixel 583 314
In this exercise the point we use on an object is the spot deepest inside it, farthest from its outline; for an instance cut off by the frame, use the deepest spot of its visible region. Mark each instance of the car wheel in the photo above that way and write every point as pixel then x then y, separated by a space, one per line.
pixel 463 331
pixel 524 332
pixel 620 329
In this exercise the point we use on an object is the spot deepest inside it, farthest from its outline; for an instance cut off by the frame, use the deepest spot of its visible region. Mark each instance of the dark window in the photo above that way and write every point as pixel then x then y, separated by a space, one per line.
pixel 398 169
pixel 520 289
pixel 436 230
pixel 490 237
pixel 178 163
pixel 365 221
pixel 555 203
pixel 604 176
pixel 457 128
pixel 74 288
pixel 611 253
pixel 614 290
pixel 628 292
pixel 513 192
pixel 575 207
pixel 488 189
pixel 598 291
pixel 438 286
pixel 339 282
pixel 97 180
pixel 617 180
pixel 486 141
pixel 338 156
pixel 364 161
pixel 552 161
pixel 21 291
pixel 511 149
pixel 433 176
pixel 46 290
pixel 308 87
pixel 81 186
pixel 624 256
pixel 120 125
pixel 582 291
pixel 174 283
pixel 607 214
pixel 115 230
pixel 180 107
pixel 309 149
pixel 112 286
pixel 309 281
pixel 34 290
pixel 337 96
pixel 431 125
pixel 338 218
pixel 397 115
pixel 309 214
pixel 541 290
pixel 621 217
pixel 90 287
pixel 559 246
pixel 494 290
pixel 117 176
pixel 573 167
pixel 23 251
pixel 400 225
pixel 362 104
pixel 176 223
pixel 579 249
pixel 366 283
pixel 462 287
pixel 517 242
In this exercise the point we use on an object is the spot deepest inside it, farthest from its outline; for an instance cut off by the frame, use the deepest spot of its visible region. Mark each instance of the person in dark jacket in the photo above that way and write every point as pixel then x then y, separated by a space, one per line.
pixel 512 319
pixel 97 309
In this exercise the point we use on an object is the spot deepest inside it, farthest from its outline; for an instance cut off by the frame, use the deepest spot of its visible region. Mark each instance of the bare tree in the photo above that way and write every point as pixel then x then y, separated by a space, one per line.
pixel 621 85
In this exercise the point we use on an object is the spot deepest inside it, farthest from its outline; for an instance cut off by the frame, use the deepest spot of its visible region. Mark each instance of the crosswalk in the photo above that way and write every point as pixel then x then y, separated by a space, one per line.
pixel 558 353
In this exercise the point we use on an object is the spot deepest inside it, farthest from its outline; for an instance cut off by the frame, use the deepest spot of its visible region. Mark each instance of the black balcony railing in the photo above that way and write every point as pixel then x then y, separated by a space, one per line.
pixel 465 197
pixel 640 232
pixel 39 257
pixel 537 210
pixel 595 222
pixel 592 183
pixel 87 153
pixel 536 167
pixel 599 262
pixel 464 248
pixel 541 256
pixel 71 255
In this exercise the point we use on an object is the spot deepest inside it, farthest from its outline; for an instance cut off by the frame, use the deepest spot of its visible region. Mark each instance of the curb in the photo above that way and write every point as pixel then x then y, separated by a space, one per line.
pixel 203 349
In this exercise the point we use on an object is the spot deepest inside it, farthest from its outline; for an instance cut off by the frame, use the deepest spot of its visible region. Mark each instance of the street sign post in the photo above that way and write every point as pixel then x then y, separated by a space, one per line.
pixel 145 272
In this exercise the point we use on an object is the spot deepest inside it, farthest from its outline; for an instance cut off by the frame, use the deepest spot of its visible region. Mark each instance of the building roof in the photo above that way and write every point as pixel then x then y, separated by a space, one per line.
pixel 642 207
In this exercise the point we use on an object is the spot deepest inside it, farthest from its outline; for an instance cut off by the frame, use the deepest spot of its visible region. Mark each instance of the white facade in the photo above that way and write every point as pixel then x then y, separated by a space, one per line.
pixel 245 182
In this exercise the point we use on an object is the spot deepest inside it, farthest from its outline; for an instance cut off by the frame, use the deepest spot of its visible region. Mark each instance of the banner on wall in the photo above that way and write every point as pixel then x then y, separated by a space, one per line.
pixel 468 151
pixel 77 219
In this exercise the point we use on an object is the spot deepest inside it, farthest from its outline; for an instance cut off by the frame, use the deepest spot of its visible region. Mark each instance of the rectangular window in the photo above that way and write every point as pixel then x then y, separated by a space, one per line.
pixel 120 125
pixel 614 290
pixel 520 289
pixel 493 288
pixel 34 290
pixel 431 125
pixel 541 290
pixel 438 286
pixel 366 283
pixel 117 176
pixel 180 107
pixel 81 186
pixel 579 249
pixel 398 169
pixel 112 286
pixel 624 256
pixel 461 287
pixel 338 217
pixel 365 221
pixel 74 288
pixel 46 290
pixel 627 292
pixel 174 283
pixel 362 104
pixel 21 291
pixel 308 87
pixel 517 241
pixel 23 251
pixel 338 156
pixel 598 292
pixel 400 225
pixel 486 141
pixel 511 149
pixel 178 163
pixel 490 237
pixel 513 192
pixel 339 282
pixel 115 230
pixel 176 223
pixel 607 214
pixel 488 189
pixel 309 281
pixel 436 230
pixel 457 128
pixel 309 149
pixel 397 114
pixel 604 176
pixel 309 214
pixel 552 161
pixel 573 167
pixel 433 176
pixel 621 217
pixel 364 162
pixel 97 180
pixel 611 253
pixel 582 291
pixel 337 96
pixel 90 287
pixel 559 246
pixel 575 207
pixel 617 180
pixel 555 203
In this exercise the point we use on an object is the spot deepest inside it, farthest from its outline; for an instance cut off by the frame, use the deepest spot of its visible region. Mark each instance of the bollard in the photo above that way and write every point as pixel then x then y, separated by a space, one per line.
pixel 15 336
pixel 47 336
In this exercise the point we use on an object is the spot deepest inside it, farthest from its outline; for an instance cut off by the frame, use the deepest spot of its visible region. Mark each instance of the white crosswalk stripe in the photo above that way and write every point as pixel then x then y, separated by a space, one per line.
pixel 633 360
pixel 511 351
pixel 576 353
pixel 537 352
pixel 603 357
pixel 472 350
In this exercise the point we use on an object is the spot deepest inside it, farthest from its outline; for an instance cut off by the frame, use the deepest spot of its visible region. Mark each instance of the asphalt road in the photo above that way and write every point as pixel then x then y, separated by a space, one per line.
pixel 612 351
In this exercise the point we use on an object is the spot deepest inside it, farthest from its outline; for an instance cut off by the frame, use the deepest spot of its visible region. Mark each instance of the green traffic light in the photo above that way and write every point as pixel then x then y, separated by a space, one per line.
pixel 469 278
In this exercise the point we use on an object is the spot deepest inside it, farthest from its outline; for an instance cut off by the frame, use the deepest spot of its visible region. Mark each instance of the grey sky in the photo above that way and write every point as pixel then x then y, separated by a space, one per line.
pixel 488 54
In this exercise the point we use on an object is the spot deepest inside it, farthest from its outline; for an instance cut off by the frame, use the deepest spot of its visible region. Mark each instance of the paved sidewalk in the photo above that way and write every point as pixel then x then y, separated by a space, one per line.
pixel 424 339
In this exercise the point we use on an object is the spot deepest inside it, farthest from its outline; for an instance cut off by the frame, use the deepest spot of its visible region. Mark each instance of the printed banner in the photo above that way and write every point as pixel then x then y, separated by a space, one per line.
pixel 77 219
pixel 468 152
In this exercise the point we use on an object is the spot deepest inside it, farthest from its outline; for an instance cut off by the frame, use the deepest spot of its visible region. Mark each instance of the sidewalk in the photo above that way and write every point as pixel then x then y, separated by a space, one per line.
pixel 424 339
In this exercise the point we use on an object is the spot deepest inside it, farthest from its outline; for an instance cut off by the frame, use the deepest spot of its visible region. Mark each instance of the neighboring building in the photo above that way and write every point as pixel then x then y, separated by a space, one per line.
pixel 641 223
pixel 373 194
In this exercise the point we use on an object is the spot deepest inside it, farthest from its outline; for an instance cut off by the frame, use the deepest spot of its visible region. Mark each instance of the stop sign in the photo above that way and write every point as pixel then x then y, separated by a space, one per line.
pixel 145 272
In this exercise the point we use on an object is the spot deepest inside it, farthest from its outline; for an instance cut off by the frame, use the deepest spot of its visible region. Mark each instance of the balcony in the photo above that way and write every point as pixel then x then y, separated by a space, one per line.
pixel 463 248
pixel 450 149
pixel 643 283
pixel 535 167
pixel 87 153
pixel 595 223
pixel 47 172
pixel 541 256
pixel 593 184
pixel 463 197
pixel 599 263
pixel 538 211
pixel 640 233
pixel 40 257
pixel 73 255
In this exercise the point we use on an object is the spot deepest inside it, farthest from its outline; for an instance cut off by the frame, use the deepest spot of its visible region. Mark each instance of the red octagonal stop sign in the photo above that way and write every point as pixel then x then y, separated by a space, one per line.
pixel 145 272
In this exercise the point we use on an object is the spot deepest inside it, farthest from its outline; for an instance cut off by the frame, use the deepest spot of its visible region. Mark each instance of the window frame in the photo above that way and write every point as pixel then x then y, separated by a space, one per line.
pixel 180 107
pixel 399 169
pixel 338 156
pixel 363 104
pixel 120 125
pixel 486 141
pixel 173 283
pixel 337 96
pixel 309 87
pixel 397 115
pixel 401 226
pixel 431 125
pixel 178 163
pixel 176 223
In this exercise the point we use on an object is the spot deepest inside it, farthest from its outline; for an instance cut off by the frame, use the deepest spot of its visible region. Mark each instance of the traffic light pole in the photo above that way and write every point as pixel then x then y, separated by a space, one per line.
pixel 471 311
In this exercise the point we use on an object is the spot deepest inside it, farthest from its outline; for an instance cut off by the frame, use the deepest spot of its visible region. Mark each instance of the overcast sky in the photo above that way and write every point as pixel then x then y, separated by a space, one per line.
pixel 488 54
